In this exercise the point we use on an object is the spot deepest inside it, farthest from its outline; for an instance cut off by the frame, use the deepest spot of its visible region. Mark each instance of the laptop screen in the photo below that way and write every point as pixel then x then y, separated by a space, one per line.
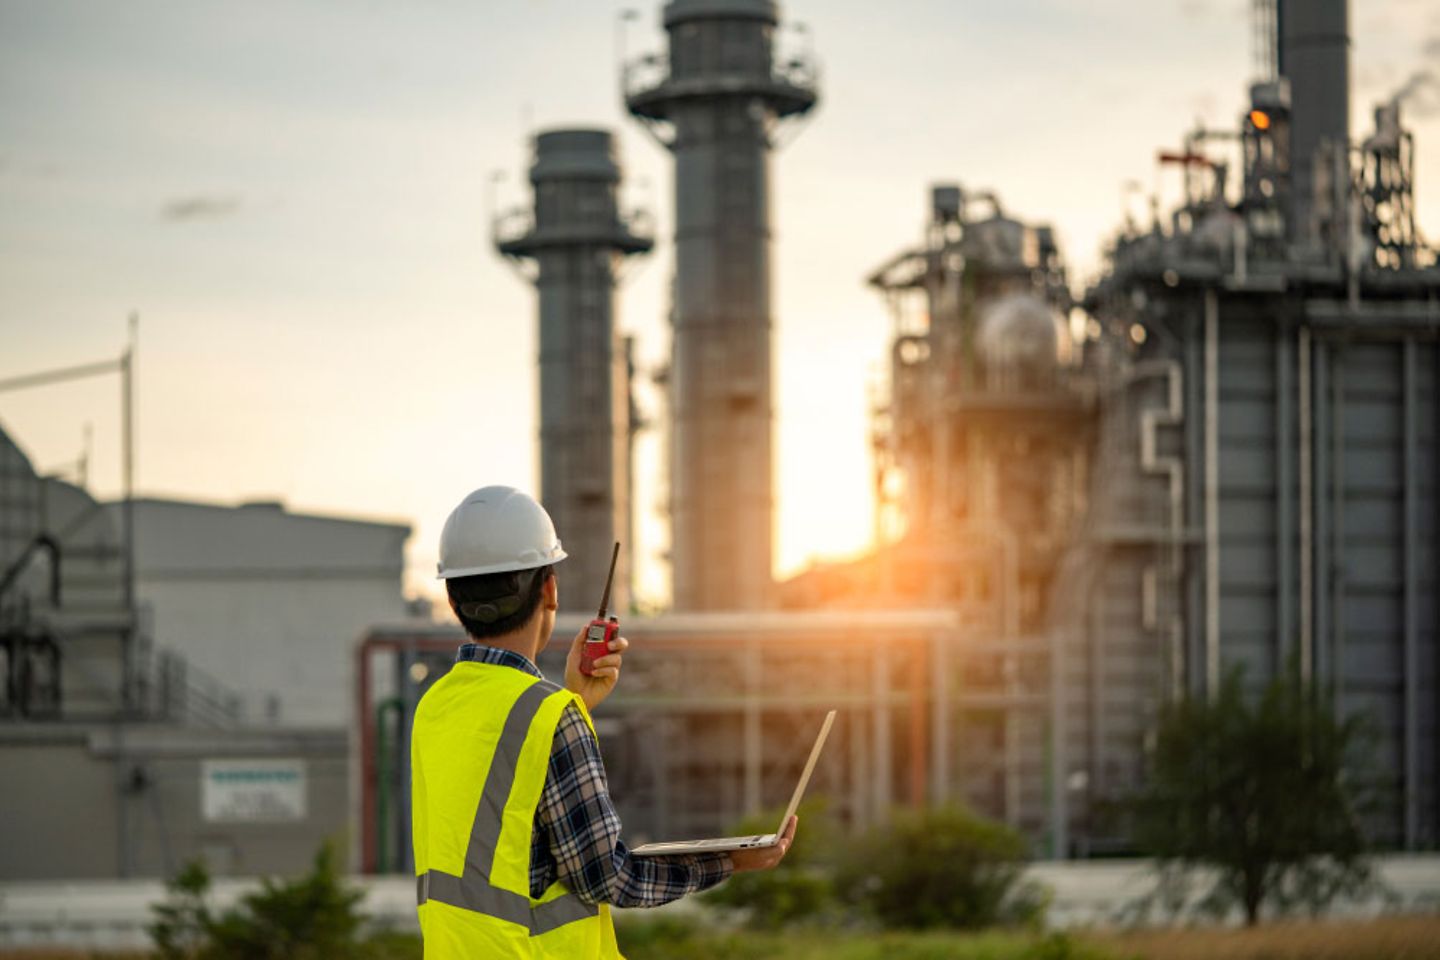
pixel 809 769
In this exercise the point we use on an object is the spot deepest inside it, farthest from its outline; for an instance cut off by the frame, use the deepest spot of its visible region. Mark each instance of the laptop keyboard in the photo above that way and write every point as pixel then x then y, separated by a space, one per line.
pixel 754 841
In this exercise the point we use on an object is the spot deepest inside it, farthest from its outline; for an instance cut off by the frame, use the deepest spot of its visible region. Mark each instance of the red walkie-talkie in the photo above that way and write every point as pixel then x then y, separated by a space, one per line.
pixel 602 629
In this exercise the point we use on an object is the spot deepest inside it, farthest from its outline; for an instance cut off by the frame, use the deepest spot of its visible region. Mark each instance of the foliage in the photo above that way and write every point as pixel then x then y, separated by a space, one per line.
pixel 183 920
pixel 313 917
pixel 1257 790
pixel 944 867
pixel 665 936
pixel 800 888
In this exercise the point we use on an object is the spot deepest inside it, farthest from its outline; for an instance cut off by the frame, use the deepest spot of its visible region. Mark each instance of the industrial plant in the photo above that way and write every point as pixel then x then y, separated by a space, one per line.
pixel 1089 503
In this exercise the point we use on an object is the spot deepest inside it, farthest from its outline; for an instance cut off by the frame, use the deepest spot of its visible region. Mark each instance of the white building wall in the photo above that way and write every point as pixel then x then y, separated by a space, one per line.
pixel 266 602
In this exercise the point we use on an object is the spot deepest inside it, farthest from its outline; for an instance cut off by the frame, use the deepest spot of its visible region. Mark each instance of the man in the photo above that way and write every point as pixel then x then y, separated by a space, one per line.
pixel 517 845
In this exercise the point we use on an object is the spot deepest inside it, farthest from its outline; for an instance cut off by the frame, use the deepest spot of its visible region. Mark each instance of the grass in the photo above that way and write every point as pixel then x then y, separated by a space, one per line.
pixel 1393 938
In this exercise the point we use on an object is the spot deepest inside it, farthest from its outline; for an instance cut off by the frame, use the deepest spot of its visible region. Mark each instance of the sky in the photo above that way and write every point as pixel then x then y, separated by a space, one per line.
pixel 294 198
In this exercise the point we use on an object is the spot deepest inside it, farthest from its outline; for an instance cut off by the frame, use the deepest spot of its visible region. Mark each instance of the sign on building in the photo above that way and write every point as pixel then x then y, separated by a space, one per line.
pixel 252 791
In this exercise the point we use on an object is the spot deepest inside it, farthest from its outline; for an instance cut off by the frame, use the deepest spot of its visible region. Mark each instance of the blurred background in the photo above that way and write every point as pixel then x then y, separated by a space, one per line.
pixel 997 374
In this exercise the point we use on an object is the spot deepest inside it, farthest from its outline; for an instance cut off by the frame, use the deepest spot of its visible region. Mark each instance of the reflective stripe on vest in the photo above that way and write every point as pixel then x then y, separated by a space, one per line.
pixel 473 890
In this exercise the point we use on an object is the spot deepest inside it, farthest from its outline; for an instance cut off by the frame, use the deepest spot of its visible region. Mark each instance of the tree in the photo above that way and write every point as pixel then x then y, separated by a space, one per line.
pixel 1261 792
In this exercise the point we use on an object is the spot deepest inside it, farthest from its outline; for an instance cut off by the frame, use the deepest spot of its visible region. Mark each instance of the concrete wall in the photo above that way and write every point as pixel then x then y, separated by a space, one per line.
pixel 108 801
pixel 267 602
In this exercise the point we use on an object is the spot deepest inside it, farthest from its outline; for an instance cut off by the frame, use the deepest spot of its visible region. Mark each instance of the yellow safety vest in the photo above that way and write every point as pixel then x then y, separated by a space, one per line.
pixel 480 750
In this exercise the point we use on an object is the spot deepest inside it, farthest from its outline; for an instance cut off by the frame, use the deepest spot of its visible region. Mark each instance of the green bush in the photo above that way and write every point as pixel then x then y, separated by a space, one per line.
pixel 801 888
pixel 939 868
pixel 313 917
pixel 182 922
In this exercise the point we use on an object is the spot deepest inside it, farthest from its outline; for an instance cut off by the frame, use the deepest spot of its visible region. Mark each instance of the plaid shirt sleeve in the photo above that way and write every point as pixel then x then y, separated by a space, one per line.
pixel 582 833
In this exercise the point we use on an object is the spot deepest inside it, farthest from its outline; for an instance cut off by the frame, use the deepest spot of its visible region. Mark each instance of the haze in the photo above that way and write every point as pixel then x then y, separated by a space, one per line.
pixel 294 198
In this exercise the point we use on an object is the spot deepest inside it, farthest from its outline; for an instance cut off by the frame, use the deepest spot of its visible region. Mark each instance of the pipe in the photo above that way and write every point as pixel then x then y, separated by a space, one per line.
pixel 1241 245
pixel 1307 548
pixel 1012 747
pixel 1337 526
pixel 405 852
pixel 1172 469
pixel 1411 467
pixel 753 735
pixel 1318 586
pixel 385 783
pixel 51 546
pixel 882 774
pixel 1099 772
pixel 127 446
pixel 918 786
pixel 1286 455
pixel 368 783
pixel 1212 494
pixel 940 719
pixel 47 377
pixel 1059 808
pixel 1194 439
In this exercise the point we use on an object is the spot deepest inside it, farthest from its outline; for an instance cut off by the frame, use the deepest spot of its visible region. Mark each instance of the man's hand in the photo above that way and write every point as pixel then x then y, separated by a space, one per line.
pixel 765 857
pixel 595 688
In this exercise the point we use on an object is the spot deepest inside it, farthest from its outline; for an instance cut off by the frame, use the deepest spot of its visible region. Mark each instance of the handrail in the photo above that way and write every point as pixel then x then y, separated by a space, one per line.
pixel 51 545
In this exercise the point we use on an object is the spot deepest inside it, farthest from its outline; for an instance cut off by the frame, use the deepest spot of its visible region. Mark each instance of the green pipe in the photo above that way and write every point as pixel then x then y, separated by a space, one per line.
pixel 384 786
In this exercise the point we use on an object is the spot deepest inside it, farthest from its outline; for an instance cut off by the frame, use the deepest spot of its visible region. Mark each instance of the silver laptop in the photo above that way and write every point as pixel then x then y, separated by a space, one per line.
pixel 744 843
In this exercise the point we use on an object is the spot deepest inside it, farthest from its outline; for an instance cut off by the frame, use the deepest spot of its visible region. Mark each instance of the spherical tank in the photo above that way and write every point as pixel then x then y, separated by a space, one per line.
pixel 1018 337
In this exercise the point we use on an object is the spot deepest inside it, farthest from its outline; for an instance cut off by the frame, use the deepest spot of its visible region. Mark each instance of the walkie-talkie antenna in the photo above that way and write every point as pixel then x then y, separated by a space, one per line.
pixel 610 578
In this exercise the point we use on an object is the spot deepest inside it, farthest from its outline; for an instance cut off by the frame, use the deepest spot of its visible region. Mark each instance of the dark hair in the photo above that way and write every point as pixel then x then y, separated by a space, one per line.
pixel 493 604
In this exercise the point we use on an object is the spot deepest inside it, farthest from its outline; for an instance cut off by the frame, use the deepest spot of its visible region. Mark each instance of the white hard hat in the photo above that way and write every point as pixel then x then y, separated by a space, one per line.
pixel 497 530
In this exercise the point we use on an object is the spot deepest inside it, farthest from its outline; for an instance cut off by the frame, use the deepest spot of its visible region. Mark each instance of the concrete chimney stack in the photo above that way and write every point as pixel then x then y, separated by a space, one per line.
pixel 1314 54
pixel 715 103
pixel 570 245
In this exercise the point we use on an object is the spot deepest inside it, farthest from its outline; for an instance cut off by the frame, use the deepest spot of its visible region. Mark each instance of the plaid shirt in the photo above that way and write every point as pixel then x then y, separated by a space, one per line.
pixel 576 838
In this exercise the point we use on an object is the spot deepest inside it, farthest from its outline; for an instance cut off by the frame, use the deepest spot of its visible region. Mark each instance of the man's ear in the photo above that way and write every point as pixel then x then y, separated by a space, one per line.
pixel 550 593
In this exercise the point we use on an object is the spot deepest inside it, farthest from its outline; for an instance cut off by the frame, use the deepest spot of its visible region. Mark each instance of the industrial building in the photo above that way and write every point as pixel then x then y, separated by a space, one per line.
pixel 192 690
pixel 1236 467
pixel 1274 346
pixel 264 602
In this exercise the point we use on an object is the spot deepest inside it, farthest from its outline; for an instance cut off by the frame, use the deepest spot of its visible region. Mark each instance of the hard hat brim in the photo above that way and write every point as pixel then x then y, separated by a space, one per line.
pixel 506 567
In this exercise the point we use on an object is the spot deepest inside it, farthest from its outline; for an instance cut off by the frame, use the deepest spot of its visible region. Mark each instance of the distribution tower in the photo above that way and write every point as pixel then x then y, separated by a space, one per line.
pixel 716 102
pixel 570 247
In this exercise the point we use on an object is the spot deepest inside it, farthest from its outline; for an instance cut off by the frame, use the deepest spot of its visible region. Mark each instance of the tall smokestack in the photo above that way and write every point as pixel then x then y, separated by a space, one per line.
pixel 575 238
pixel 721 96
pixel 1314 41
